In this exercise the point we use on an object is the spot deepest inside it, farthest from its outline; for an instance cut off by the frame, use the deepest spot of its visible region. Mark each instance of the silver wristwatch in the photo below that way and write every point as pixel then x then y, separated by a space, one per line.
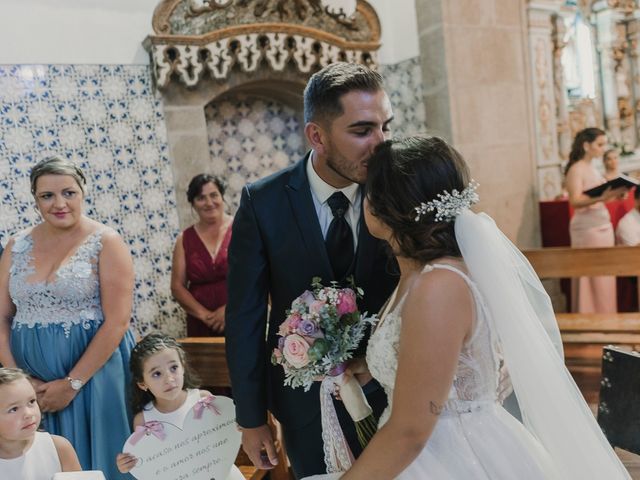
pixel 75 383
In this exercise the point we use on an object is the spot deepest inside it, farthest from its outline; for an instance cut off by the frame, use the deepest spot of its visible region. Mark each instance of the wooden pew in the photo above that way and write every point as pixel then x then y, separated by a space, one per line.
pixel 584 335
pixel 207 357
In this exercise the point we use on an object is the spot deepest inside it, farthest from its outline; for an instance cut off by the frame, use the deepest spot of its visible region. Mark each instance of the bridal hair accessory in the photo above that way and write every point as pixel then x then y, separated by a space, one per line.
pixel 449 205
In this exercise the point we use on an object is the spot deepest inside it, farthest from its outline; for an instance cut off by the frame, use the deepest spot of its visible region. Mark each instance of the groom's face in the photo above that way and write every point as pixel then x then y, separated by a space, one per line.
pixel 353 136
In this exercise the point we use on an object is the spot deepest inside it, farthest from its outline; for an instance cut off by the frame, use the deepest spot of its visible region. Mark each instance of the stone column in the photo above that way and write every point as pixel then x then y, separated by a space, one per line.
pixel 477 95
pixel 633 42
pixel 541 17
pixel 562 112
pixel 433 60
pixel 188 142
pixel 611 49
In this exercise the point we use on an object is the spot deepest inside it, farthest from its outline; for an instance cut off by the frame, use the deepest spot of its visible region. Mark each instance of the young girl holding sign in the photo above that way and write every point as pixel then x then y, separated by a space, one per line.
pixel 164 389
pixel 25 452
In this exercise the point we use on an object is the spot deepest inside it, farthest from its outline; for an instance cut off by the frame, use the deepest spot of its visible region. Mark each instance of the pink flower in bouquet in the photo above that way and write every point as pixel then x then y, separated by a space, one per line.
pixel 346 302
pixel 294 322
pixel 316 306
pixel 289 325
pixel 295 350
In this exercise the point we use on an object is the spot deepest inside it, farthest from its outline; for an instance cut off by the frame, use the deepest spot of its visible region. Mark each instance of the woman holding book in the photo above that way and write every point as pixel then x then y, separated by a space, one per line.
pixel 590 225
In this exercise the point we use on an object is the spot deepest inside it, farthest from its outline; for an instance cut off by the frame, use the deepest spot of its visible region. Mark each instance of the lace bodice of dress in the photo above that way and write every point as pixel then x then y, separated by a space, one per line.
pixel 476 380
pixel 72 298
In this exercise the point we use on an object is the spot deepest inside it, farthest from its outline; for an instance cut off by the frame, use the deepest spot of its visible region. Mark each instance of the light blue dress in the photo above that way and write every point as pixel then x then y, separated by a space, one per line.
pixel 53 326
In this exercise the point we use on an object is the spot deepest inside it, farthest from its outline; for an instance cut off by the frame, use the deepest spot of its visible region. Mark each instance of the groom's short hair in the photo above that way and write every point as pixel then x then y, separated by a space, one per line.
pixel 326 87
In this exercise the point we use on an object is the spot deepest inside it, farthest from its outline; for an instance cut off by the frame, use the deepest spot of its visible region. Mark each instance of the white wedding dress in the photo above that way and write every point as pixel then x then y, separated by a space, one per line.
pixel 474 437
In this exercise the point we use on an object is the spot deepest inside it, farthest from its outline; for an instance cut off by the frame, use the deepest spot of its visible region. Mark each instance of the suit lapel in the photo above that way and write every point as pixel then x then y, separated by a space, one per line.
pixel 304 212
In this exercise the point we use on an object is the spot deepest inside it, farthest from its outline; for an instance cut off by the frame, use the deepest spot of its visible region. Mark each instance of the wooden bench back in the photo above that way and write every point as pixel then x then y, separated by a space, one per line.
pixel 208 357
pixel 584 335
pixel 567 262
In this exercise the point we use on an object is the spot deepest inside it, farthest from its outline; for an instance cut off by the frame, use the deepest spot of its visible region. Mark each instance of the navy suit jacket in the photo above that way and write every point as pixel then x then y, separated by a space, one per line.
pixel 276 249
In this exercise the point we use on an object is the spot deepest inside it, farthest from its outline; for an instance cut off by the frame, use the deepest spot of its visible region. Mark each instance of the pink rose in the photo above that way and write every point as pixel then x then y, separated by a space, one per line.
pixel 294 321
pixel 316 306
pixel 295 351
pixel 289 325
pixel 346 302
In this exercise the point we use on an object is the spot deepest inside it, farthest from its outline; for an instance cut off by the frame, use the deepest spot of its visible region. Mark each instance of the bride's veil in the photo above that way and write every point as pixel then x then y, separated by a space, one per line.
pixel 522 320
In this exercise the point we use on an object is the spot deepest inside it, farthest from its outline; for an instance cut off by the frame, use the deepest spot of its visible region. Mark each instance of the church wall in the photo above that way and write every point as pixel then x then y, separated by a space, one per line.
pixel 474 63
pixel 76 82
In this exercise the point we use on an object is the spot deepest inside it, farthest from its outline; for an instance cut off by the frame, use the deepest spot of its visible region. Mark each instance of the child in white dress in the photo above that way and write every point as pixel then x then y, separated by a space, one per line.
pixel 25 453
pixel 163 389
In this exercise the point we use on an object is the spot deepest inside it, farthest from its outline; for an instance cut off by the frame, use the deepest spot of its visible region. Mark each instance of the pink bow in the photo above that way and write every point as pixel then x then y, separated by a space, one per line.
pixel 149 428
pixel 206 402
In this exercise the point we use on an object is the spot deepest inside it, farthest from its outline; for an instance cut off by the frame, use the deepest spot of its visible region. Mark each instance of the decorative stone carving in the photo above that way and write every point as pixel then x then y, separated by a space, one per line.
pixel 194 38
pixel 562 113
pixel 625 6
pixel 541 19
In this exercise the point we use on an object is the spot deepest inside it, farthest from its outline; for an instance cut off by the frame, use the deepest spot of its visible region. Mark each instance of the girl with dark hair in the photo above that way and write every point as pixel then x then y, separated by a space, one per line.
pixel 591 224
pixel 164 389
pixel 199 271
pixel 467 299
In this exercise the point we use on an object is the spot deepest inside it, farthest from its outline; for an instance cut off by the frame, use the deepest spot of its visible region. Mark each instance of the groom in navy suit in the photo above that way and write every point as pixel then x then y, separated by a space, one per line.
pixel 302 222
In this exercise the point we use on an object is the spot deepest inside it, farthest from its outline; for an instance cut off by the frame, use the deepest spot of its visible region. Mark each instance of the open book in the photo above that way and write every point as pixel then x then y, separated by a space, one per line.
pixel 621 180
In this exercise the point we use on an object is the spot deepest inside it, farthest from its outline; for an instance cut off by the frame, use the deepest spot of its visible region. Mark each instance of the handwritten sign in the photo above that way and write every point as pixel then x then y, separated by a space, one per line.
pixel 203 449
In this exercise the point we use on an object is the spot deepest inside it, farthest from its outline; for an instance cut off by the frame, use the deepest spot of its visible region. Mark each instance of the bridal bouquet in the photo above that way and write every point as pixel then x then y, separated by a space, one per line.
pixel 322 330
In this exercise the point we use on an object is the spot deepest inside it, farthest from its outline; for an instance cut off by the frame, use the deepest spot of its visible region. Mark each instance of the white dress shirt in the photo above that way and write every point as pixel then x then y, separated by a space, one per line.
pixel 628 229
pixel 321 191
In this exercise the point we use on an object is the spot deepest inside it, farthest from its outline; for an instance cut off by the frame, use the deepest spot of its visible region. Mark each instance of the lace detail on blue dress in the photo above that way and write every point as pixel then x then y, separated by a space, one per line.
pixel 71 298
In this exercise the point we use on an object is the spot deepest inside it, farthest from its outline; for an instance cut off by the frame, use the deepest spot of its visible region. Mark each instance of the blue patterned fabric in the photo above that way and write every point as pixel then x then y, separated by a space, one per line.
pixel 54 324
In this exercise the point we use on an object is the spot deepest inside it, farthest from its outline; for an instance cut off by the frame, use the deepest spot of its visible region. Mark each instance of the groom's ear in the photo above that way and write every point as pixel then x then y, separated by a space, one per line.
pixel 316 136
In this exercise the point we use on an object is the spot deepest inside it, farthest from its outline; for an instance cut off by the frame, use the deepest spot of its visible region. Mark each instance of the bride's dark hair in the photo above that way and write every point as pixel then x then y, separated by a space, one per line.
pixel 402 173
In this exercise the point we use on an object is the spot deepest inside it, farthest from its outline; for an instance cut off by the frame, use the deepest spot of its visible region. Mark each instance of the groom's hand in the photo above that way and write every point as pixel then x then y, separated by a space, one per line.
pixel 359 369
pixel 258 445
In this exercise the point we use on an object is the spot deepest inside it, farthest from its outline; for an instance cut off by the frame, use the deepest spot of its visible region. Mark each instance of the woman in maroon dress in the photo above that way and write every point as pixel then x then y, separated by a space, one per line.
pixel 199 272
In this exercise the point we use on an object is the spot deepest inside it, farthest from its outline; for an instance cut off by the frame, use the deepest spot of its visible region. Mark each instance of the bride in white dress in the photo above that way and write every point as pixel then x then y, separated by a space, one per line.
pixel 466 298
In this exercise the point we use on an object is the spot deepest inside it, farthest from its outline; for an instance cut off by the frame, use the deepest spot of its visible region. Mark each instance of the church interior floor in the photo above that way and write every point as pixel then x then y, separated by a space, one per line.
pixel 631 461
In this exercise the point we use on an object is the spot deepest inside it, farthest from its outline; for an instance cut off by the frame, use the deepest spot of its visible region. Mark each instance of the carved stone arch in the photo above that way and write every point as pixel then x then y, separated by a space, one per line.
pixel 209 50
pixel 286 87
pixel 196 39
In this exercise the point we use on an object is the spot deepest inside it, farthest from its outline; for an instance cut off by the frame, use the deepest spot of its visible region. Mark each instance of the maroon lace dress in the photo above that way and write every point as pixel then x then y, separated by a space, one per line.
pixel 206 277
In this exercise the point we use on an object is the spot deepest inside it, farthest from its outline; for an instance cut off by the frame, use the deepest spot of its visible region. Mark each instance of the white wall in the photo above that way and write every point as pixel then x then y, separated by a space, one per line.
pixel 111 31
pixel 399 30
pixel 74 31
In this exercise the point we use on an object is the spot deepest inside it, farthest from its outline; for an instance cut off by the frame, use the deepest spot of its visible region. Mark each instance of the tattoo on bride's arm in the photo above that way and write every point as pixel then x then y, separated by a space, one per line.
pixel 435 408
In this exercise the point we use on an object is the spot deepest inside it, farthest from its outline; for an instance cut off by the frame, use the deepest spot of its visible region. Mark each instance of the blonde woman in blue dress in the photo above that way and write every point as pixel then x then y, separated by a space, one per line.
pixel 66 292
pixel 466 299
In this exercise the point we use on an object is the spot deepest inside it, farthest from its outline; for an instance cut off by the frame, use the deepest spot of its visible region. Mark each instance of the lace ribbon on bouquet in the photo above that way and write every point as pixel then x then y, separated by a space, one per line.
pixel 337 454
